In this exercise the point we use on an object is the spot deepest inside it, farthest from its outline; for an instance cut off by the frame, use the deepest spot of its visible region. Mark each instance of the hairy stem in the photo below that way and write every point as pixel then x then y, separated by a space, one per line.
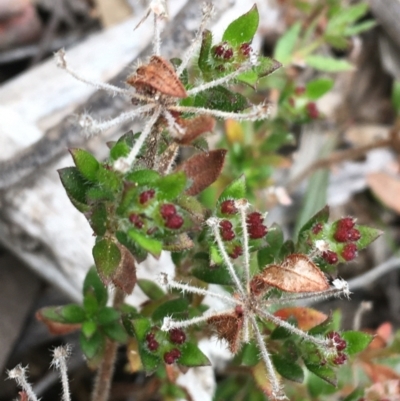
pixel 105 371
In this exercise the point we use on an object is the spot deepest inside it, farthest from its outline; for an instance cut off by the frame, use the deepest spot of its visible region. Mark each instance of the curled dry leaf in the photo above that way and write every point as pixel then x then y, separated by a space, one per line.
pixel 228 327
pixel 386 188
pixel 159 75
pixel 297 273
pixel 203 169
pixel 124 276
pixel 306 318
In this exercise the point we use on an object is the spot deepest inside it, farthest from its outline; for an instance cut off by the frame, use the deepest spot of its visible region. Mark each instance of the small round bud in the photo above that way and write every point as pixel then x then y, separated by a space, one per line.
pixel 136 220
pixel 340 359
pixel 257 231
pixel 300 90
pixel 227 235
pixel 174 222
pixel 254 218
pixel 245 49
pixel 228 207
pixel 153 345
pixel 317 228
pixel 330 257
pixel 236 252
pixel 167 210
pixel 171 356
pixel 177 336
pixel 145 196
pixel 346 222
pixel 354 234
pixel 349 252
pixel 228 54
pixel 312 110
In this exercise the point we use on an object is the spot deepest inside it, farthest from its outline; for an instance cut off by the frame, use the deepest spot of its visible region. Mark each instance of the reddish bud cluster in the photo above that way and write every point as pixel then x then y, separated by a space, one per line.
pixel 145 196
pixel 136 220
pixel 245 49
pixel 177 336
pixel 254 224
pixel 223 51
pixel 330 257
pixel 339 343
pixel 345 232
pixel 340 359
pixel 171 356
pixel 227 233
pixel 152 343
pixel 236 252
pixel 172 219
pixel 299 90
pixel 228 207
pixel 312 110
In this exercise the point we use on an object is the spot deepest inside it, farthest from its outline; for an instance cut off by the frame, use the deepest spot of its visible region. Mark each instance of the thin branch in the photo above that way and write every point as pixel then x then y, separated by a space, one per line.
pixel 223 80
pixel 276 387
pixel 214 225
pixel 257 112
pixel 62 63
pixel 242 205
pixel 60 357
pixel 19 375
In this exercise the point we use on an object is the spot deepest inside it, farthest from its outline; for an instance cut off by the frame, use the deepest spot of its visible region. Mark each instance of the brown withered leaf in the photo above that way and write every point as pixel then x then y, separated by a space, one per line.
pixel 124 276
pixel 159 75
pixel 228 327
pixel 307 318
pixel 57 328
pixel 195 127
pixel 297 273
pixel 203 169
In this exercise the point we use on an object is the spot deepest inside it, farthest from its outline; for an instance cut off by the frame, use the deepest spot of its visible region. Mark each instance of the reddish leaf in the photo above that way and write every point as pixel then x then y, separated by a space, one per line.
pixel 159 75
pixel 307 318
pixel 379 373
pixel 23 396
pixel 57 328
pixel 203 169
pixel 124 277
pixel 297 273
pixel 195 127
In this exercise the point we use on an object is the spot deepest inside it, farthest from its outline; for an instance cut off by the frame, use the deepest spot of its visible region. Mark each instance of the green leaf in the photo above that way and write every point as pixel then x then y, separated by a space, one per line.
pixel 143 177
pixel 149 244
pixel 266 66
pixel 221 98
pixel 90 303
pixel 151 289
pixel 115 332
pixel 345 17
pixel 317 88
pixel 288 369
pixel 89 328
pixel 93 284
pixel 359 28
pixel 107 315
pixel 395 96
pixel 318 386
pixel 86 164
pixel 140 328
pixel 368 235
pixel 92 346
pixel 235 190
pixel 171 186
pixel 269 255
pixel 119 149
pixel 357 341
pixel 97 194
pixel 328 64
pixel 324 372
pixel 204 56
pixel 76 187
pixel 192 356
pixel 73 313
pixel 98 219
pixel 242 29
pixel 250 355
pixel 202 270
pixel 108 179
pixel 174 308
pixel 285 46
pixel 107 257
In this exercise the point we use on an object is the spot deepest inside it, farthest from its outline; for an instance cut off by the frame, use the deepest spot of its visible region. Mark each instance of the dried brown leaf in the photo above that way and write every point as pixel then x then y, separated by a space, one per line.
pixel 306 318
pixel 195 127
pixel 57 328
pixel 203 169
pixel 297 273
pixel 124 276
pixel 159 75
